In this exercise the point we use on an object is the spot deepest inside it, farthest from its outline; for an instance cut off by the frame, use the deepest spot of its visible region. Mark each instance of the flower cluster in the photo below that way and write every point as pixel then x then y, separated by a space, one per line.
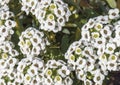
pixel 57 73
pixel 29 71
pixel 8 61
pixel 32 42
pixel 96 53
pixel 104 34
pixel 82 59
pixel 51 14
pixel 6 23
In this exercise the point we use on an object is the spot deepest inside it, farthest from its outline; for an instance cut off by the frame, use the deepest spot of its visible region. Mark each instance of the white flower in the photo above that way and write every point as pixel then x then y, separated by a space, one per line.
pixel 103 58
pixel 80 74
pixel 35 50
pixel 110 47
pixel 87 82
pixel 103 67
pixel 27 79
pixel 98 26
pixel 61 21
pixel 78 51
pixel 101 50
pixel 88 51
pixel 89 66
pixel 48 72
pixel 68 81
pixel 49 25
pixel 32 71
pixel 14 53
pixel 85 35
pixel 99 42
pixel 40 77
pixel 63 71
pixel 16 82
pixel 52 64
pixel 12 62
pixel 10 23
pixel 53 7
pixel 98 78
pixel 19 77
pixel 71 65
pixel 95 35
pixel 81 62
pixel 105 32
pixel 113 58
pixel 48 81
pixel 85 27
pixel 12 74
pixel 35 82
pixel 113 13
pixel 38 64
pixel 102 19
pixel 111 66
pixel 4 56
pixel 90 23
pixel 3 64
pixel 71 57
pixel 21 66
pixel 58 79
pixel 50 17
pixel 60 11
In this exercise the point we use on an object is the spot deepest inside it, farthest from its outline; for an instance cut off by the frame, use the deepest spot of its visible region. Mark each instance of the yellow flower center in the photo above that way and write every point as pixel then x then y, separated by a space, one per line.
pixel 72 57
pixel 49 72
pixel 52 6
pixel 113 57
pixel 28 78
pixel 4 56
pixel 95 35
pixel 110 48
pixel 58 78
pixel 28 42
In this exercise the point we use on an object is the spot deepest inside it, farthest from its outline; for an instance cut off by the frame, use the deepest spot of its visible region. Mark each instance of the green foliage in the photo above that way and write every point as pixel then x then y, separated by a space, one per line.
pixel 112 3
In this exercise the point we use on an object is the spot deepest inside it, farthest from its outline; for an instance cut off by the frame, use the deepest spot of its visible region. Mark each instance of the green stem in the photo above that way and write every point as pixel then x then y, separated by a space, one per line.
pixel 18 27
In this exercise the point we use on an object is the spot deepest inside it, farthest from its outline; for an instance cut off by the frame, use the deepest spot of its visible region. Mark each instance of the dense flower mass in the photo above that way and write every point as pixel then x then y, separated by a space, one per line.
pixel 32 42
pixel 6 23
pixel 51 14
pixel 8 62
pixel 97 52
pixel 104 34
pixel 28 60
pixel 82 59
pixel 29 71
pixel 57 73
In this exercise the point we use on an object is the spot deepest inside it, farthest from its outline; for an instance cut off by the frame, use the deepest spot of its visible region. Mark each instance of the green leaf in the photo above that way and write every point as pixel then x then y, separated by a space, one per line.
pixel 112 3
pixel 77 34
pixel 64 44
pixel 66 31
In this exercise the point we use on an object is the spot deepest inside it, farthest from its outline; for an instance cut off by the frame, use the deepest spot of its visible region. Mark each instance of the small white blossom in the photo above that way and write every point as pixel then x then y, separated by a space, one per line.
pixel 113 13
pixel 32 42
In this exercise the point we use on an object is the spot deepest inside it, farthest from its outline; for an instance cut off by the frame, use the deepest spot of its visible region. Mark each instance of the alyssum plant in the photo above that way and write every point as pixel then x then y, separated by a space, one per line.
pixel 21 47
